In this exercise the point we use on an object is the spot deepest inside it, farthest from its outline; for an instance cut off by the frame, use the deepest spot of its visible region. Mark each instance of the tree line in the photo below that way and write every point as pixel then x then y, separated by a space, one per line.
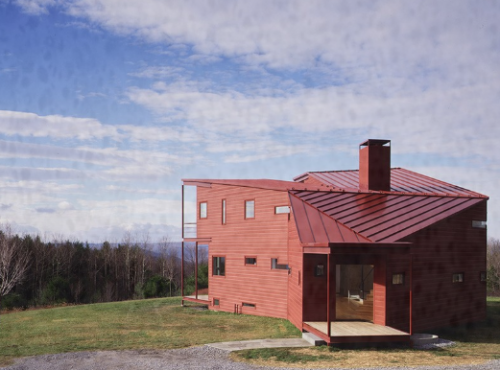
pixel 493 267
pixel 35 273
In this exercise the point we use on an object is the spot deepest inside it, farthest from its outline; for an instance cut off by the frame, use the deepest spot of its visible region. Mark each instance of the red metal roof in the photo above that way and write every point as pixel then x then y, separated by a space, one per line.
pixel 402 181
pixel 375 217
pixel 316 227
pixel 259 183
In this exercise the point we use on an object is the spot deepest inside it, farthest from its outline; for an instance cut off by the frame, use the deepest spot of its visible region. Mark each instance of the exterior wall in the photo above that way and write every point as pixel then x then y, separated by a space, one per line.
pixel 450 246
pixel 315 291
pixel 264 237
pixel 296 278
pixel 398 296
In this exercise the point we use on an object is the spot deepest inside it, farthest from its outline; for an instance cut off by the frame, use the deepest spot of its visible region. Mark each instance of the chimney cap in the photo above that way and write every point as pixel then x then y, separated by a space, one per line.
pixel 375 142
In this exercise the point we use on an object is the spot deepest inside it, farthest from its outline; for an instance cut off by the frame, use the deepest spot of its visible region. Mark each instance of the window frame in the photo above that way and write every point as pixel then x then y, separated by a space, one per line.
pixel 250 257
pixel 479 224
pixel 247 208
pixel 279 210
pixel 319 270
pixel 278 266
pixel 216 302
pixel 398 278
pixel 200 208
pixel 223 211
pixel 457 277
pixel 248 305
pixel 214 270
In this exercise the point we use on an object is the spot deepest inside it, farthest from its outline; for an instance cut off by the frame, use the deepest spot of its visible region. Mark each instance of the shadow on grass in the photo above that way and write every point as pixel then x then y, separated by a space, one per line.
pixel 487 331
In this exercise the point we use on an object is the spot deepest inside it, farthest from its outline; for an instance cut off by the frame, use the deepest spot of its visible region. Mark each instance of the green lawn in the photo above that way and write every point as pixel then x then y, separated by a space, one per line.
pixel 153 323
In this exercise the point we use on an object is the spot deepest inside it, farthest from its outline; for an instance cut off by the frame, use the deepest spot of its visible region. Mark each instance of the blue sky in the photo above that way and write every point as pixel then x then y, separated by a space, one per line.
pixel 106 105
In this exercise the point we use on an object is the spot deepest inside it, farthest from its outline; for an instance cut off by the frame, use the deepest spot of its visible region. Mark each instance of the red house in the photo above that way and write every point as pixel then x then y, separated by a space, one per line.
pixel 374 254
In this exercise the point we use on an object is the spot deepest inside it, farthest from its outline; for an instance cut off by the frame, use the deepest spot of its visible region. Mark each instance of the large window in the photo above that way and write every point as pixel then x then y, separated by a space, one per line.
pixel 203 210
pixel 219 266
pixel 249 209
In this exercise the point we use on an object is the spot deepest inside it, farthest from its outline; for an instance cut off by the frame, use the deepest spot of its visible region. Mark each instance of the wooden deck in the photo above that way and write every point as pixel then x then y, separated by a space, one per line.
pixel 356 332
pixel 202 298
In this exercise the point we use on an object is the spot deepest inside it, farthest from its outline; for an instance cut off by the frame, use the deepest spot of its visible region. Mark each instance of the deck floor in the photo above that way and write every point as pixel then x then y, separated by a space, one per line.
pixel 355 329
pixel 202 298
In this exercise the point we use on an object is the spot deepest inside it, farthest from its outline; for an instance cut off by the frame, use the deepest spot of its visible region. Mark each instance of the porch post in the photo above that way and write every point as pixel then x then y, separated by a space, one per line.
pixel 182 248
pixel 182 270
pixel 328 278
pixel 411 294
pixel 196 272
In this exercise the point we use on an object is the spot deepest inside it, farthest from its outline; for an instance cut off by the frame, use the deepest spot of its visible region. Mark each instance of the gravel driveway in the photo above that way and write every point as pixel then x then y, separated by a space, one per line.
pixel 188 358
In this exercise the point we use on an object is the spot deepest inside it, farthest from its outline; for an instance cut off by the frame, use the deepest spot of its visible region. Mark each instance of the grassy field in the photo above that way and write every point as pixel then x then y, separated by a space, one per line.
pixel 164 324
pixel 149 324
pixel 475 344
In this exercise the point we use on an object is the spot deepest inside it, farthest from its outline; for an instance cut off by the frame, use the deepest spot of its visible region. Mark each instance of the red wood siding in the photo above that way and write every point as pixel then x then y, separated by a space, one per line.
pixel 264 236
pixel 450 246
pixel 315 293
pixel 296 279
pixel 398 296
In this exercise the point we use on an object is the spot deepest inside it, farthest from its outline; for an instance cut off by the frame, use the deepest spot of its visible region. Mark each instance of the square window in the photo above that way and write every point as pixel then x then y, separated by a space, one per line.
pixel 398 279
pixel 458 278
pixel 216 302
pixel 251 261
pixel 203 210
pixel 249 209
pixel 219 266
pixel 319 270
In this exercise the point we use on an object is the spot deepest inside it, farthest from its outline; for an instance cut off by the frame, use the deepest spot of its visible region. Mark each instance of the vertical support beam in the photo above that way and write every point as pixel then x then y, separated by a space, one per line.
pixel 328 285
pixel 182 212
pixel 411 294
pixel 196 271
pixel 182 269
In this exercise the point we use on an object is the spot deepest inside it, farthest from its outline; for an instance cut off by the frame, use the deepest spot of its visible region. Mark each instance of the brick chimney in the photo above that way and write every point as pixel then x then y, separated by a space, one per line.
pixel 375 165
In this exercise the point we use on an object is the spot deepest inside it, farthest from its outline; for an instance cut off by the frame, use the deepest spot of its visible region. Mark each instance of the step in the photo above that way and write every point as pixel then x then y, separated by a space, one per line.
pixel 313 339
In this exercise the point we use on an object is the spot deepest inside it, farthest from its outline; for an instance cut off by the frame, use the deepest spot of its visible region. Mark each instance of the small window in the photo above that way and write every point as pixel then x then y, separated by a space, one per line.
pixel 223 211
pixel 252 305
pixel 319 270
pixel 458 278
pixel 479 224
pixel 216 302
pixel 281 209
pixel 219 266
pixel 276 266
pixel 398 279
pixel 482 276
pixel 203 210
pixel 251 261
pixel 249 209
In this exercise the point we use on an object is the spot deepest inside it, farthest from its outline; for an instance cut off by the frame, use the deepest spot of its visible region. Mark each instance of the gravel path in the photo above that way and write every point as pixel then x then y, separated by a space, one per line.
pixel 189 358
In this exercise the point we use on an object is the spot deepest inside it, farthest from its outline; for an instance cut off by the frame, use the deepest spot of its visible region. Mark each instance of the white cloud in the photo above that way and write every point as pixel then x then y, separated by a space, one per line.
pixel 54 126
pixel 36 7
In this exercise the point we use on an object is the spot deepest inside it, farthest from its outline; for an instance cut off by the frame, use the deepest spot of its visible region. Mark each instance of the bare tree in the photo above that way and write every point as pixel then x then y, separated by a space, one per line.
pixel 168 259
pixel 14 260
pixel 494 266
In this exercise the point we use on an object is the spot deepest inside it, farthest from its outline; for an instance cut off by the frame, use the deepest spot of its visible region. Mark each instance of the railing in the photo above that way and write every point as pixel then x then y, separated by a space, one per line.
pixel 189 230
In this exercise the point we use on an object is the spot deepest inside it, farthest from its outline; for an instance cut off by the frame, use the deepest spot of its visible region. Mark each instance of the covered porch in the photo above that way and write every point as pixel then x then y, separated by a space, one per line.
pixel 348 291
